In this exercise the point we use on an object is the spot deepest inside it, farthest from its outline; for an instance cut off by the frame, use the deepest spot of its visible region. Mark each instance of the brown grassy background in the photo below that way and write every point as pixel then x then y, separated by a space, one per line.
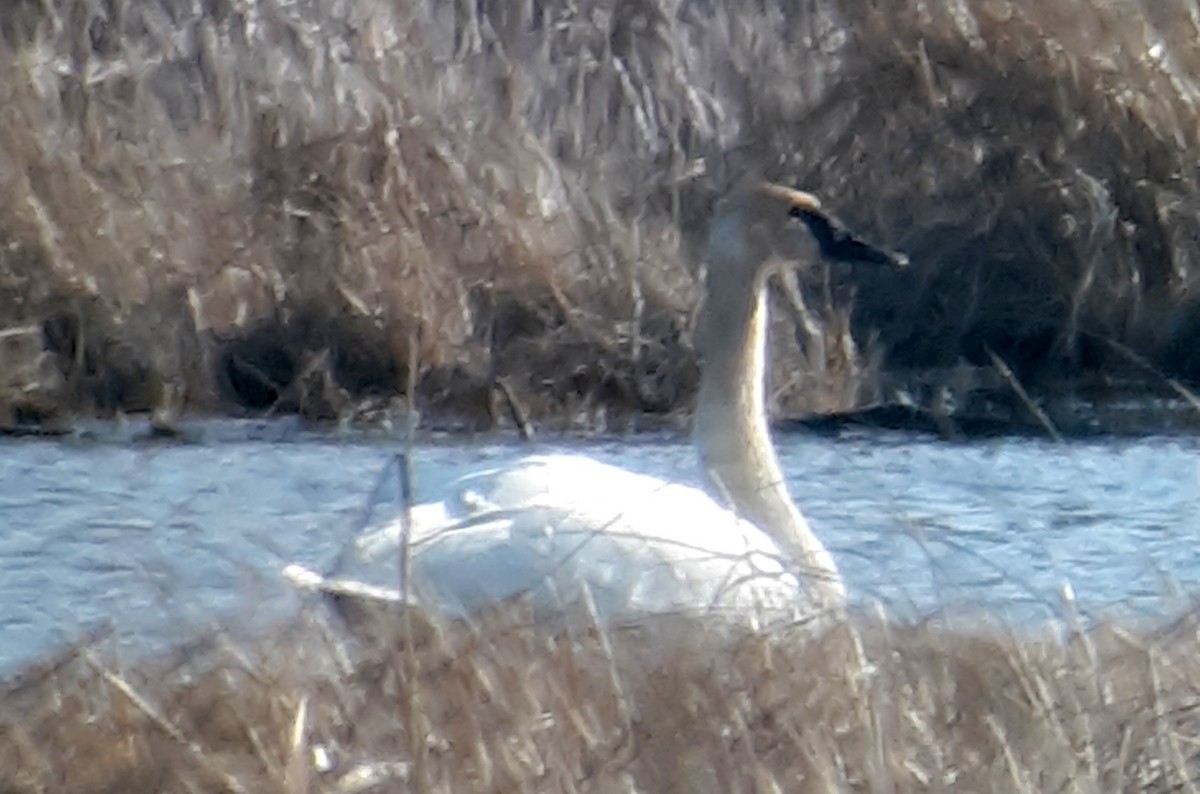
pixel 672 705
pixel 263 206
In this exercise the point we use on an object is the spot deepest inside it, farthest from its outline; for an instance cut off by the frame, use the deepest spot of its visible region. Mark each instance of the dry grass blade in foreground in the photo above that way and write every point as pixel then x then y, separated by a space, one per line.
pixel 670 705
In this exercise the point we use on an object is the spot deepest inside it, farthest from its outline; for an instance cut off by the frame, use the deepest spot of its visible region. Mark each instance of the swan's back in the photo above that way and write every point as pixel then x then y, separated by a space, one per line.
pixel 550 526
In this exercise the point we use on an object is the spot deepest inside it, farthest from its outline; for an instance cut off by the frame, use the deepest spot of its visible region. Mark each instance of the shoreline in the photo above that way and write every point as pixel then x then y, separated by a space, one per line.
pixel 1122 415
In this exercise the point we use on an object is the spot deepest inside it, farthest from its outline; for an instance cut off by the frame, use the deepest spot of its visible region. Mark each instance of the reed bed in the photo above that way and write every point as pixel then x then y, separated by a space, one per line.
pixel 271 206
pixel 672 704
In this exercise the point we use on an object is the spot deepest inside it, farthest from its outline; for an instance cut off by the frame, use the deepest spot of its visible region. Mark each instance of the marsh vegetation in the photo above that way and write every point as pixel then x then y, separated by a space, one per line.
pixel 272 206
pixel 279 207
pixel 674 704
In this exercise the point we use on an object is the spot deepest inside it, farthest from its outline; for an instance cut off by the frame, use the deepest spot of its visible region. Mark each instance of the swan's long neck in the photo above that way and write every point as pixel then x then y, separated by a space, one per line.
pixel 732 437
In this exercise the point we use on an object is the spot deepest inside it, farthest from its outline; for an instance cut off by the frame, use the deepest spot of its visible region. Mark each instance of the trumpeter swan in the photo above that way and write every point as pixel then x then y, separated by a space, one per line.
pixel 555 526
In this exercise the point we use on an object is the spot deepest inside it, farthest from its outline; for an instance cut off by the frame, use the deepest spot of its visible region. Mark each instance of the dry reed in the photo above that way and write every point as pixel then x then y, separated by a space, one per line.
pixel 670 705
pixel 259 205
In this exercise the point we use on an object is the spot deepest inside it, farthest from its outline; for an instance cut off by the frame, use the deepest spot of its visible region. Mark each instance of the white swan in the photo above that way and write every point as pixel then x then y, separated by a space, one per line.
pixel 554 526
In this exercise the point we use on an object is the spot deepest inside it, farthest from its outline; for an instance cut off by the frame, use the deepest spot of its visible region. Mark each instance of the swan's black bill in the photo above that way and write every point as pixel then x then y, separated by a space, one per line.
pixel 838 244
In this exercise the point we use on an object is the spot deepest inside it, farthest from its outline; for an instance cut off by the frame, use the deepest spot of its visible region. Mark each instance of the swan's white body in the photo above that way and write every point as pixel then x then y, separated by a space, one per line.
pixel 553 527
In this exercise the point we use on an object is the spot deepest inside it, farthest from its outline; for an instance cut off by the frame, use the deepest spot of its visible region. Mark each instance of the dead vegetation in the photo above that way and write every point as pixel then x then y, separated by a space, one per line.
pixel 262 206
pixel 672 705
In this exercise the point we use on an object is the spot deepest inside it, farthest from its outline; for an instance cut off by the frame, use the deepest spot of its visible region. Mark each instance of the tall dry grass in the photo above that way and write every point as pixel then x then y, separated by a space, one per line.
pixel 674 705
pixel 266 204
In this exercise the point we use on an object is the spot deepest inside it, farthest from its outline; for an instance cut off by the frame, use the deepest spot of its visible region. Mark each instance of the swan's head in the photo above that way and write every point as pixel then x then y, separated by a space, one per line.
pixel 753 225
pixel 748 228
pixel 757 227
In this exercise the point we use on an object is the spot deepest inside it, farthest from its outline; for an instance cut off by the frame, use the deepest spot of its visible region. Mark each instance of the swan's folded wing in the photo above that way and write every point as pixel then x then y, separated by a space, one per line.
pixel 552 527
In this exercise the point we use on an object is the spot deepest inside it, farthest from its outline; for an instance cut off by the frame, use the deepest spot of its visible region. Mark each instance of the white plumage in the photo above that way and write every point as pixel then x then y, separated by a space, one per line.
pixel 547 526
pixel 554 527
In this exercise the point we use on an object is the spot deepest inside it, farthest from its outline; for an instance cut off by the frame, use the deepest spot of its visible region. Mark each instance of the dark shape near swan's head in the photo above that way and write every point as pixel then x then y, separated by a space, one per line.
pixel 835 242
pixel 838 244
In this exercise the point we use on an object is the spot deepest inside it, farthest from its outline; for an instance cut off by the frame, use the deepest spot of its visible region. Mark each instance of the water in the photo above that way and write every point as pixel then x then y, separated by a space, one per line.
pixel 157 537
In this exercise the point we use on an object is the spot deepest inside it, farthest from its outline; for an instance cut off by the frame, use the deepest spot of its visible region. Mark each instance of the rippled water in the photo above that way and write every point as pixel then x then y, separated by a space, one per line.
pixel 153 537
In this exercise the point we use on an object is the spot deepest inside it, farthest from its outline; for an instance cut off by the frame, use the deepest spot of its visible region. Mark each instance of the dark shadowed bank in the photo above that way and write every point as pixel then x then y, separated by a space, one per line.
pixel 277 206
pixel 674 705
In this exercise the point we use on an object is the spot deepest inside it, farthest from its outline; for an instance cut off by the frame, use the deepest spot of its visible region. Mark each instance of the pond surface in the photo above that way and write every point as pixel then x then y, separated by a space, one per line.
pixel 154 537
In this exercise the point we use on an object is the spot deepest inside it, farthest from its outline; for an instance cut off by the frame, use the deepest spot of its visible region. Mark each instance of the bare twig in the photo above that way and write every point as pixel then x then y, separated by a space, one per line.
pixel 165 725
pixel 519 414
pixel 1035 409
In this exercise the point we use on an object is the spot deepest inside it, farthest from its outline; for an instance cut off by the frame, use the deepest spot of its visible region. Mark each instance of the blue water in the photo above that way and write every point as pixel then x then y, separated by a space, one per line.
pixel 154 538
